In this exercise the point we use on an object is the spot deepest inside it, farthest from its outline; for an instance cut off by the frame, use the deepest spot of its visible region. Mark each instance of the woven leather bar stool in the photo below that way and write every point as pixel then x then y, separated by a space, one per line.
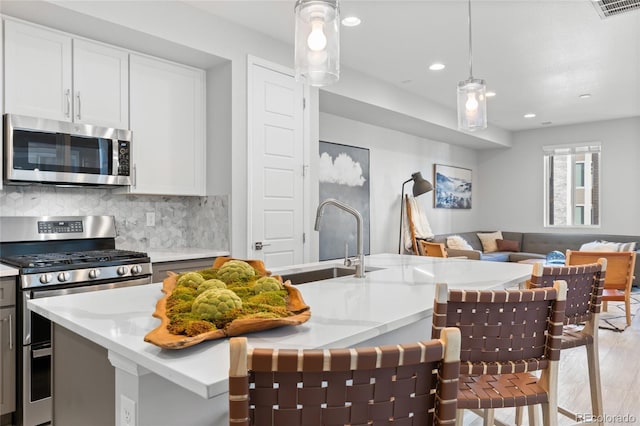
pixel 585 284
pixel 506 335
pixel 411 384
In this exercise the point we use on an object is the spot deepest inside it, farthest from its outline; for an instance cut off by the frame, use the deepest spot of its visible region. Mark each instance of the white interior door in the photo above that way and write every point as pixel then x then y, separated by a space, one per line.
pixel 276 147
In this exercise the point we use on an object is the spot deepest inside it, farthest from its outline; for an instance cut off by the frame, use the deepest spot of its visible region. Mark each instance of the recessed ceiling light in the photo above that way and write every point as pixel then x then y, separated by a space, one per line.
pixel 437 66
pixel 351 21
pixel 490 94
pixel 529 115
pixel 585 96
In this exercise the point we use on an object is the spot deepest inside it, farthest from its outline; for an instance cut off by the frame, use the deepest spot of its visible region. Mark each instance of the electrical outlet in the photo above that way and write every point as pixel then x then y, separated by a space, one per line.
pixel 151 219
pixel 127 411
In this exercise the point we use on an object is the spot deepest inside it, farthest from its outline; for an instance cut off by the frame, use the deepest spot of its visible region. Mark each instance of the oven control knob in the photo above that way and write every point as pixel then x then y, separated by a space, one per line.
pixel 46 278
pixel 64 276
pixel 136 269
pixel 122 270
pixel 94 273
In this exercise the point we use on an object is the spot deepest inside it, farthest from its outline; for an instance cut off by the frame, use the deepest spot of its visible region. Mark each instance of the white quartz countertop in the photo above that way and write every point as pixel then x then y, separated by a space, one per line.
pixel 344 312
pixel 7 271
pixel 171 255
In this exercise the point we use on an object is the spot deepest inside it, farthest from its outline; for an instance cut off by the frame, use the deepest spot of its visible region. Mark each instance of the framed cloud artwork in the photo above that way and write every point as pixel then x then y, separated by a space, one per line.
pixel 453 187
pixel 343 174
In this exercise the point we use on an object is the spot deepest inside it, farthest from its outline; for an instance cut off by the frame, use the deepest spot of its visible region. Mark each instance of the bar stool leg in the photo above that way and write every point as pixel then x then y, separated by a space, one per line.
pixel 594 381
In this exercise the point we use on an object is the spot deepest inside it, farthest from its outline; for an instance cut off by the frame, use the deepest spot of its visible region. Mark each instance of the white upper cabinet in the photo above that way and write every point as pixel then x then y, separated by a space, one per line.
pixel 167 106
pixel 51 75
pixel 37 72
pixel 100 84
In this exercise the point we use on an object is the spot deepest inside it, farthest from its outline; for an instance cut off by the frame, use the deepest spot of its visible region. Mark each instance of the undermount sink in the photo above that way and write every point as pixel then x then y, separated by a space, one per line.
pixel 321 274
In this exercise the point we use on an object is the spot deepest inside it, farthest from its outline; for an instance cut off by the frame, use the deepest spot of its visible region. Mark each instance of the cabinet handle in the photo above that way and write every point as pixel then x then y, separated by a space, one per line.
pixel 10 333
pixel 78 98
pixel 67 94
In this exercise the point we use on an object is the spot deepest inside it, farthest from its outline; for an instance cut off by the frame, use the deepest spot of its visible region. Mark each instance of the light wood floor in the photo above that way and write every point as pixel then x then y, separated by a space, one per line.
pixel 620 375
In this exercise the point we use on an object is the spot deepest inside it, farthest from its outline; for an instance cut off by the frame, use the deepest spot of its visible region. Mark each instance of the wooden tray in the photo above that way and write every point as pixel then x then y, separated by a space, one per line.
pixel 161 337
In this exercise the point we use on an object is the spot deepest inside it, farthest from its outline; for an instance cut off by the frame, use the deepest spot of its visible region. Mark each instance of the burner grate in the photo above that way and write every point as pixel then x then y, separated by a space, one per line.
pixel 46 260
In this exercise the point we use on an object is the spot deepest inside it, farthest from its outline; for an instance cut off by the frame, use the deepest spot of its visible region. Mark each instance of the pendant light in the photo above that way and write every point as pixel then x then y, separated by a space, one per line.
pixel 317 42
pixel 472 100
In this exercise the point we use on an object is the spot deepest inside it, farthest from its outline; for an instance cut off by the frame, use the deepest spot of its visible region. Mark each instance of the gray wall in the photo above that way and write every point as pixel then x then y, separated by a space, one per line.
pixel 394 156
pixel 510 188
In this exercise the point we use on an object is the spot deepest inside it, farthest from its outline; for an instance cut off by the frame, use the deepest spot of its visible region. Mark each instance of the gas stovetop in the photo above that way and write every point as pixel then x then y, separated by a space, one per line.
pixel 67 250
pixel 42 262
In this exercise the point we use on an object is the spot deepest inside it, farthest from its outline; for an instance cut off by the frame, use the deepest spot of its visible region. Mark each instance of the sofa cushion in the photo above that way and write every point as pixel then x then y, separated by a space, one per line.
pixel 488 240
pixel 517 257
pixel 508 245
pixel 496 256
pixel 457 242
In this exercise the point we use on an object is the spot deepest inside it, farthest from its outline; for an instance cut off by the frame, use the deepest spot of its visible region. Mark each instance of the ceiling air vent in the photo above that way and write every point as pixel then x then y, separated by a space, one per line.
pixel 607 8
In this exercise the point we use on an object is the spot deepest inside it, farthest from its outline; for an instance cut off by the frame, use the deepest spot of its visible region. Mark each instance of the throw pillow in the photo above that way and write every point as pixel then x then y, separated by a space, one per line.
pixel 458 243
pixel 619 246
pixel 627 246
pixel 488 240
pixel 601 246
pixel 508 245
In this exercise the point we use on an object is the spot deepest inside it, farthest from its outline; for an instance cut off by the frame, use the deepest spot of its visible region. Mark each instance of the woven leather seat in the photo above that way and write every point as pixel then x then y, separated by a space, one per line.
pixel 585 284
pixel 412 384
pixel 505 336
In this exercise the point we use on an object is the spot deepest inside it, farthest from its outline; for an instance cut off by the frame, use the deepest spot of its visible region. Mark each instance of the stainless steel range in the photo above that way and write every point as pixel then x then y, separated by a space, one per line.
pixel 56 256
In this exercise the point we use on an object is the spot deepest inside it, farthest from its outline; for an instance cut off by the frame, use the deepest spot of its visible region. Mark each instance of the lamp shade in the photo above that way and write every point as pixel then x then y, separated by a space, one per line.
pixel 472 105
pixel 317 42
pixel 420 184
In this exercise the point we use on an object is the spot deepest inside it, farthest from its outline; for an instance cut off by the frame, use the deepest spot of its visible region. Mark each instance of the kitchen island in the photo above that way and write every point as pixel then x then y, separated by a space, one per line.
pixel 188 386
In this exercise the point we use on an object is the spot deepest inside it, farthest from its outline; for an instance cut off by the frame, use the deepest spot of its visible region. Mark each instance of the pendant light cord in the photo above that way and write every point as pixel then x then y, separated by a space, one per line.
pixel 470 46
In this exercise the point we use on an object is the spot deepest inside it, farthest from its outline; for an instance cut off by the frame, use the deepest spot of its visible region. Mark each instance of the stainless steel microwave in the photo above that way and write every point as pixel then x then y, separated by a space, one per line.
pixel 58 152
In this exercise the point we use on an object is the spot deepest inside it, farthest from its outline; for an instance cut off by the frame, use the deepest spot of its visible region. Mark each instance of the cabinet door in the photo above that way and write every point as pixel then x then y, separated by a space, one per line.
pixel 100 85
pixel 161 269
pixel 37 72
pixel 167 121
pixel 7 360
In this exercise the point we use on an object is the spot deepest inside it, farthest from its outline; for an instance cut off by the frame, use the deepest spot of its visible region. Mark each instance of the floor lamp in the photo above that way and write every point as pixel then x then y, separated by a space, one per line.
pixel 420 186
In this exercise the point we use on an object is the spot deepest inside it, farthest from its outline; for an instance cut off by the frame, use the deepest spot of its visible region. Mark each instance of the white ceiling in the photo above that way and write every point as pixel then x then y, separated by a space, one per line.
pixel 538 55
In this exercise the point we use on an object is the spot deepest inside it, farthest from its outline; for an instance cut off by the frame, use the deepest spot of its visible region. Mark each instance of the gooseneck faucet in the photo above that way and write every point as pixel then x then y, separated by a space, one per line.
pixel 358 261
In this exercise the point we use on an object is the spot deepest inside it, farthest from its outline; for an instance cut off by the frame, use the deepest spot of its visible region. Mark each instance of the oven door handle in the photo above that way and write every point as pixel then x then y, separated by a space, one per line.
pixel 41 353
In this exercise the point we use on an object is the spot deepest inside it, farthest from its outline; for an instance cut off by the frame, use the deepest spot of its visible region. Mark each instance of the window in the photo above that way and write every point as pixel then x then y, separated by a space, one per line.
pixel 572 185
pixel 580 174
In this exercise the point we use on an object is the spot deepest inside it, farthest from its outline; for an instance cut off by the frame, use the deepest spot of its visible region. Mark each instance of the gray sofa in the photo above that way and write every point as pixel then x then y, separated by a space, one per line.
pixel 536 245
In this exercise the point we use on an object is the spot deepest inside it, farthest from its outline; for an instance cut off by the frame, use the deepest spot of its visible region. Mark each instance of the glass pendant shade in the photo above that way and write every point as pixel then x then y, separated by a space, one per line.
pixel 472 105
pixel 317 42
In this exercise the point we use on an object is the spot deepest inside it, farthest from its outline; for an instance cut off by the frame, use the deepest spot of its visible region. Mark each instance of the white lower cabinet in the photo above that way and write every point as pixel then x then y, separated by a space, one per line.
pixel 167 110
